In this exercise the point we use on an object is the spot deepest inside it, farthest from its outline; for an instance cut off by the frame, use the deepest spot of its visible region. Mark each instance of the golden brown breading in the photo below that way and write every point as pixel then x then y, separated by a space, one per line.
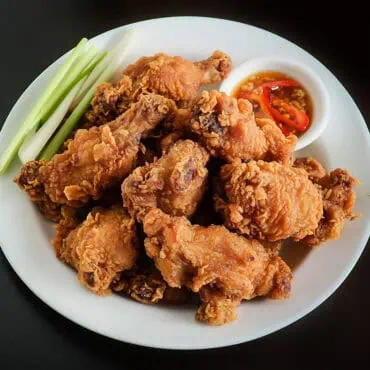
pixel 174 183
pixel 110 101
pixel 170 76
pixel 227 127
pixel 268 200
pixel 100 248
pixel 144 288
pixel 28 180
pixel 67 222
pixel 50 210
pixel 215 68
pixel 337 189
pixel 314 169
pixel 147 286
pixel 339 199
pixel 167 142
pixel 101 157
pixel 175 77
pixel 223 267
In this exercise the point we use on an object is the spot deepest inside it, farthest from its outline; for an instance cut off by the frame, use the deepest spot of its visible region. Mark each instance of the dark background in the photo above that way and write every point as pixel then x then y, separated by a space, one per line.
pixel 33 34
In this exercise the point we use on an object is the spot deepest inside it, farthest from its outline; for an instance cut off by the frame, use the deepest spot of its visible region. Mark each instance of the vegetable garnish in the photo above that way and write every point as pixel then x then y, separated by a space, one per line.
pixel 33 144
pixel 73 86
pixel 32 120
pixel 298 121
pixel 115 60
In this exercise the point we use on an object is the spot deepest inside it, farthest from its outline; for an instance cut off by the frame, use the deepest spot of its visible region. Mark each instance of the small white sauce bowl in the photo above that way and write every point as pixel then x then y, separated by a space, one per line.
pixel 300 72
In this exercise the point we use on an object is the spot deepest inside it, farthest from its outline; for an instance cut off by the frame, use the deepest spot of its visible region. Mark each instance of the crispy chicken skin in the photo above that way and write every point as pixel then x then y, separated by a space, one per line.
pixel 170 76
pixel 223 267
pixel 174 183
pixel 314 169
pixel 147 286
pixel 100 248
pixel 101 157
pixel 337 190
pixel 167 142
pixel 268 200
pixel 339 198
pixel 175 77
pixel 28 180
pixel 227 127
pixel 110 101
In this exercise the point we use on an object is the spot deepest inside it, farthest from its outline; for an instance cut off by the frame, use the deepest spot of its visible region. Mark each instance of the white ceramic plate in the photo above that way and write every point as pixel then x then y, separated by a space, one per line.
pixel 25 235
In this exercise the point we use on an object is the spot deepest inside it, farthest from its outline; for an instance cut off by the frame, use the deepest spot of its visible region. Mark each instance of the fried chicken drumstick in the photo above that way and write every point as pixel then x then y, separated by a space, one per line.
pixel 100 157
pixel 268 200
pixel 174 183
pixel 228 128
pixel 100 248
pixel 170 76
pixel 223 267
pixel 175 77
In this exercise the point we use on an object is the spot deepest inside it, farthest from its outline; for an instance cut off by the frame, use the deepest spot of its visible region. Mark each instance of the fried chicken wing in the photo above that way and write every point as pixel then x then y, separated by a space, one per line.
pixel 174 183
pixel 223 267
pixel 100 248
pixel 175 77
pixel 268 200
pixel 170 76
pixel 101 157
pixel 228 128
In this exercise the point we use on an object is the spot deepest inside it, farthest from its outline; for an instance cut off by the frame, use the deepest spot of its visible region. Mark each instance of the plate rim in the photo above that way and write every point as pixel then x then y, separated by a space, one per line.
pixel 239 339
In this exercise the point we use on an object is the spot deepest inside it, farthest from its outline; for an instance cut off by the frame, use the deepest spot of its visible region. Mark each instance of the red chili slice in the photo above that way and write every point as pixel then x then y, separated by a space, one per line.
pixel 300 120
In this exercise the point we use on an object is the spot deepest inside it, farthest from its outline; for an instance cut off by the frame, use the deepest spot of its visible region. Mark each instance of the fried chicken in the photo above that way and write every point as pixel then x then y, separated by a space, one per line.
pixel 167 142
pixel 170 76
pixel 228 128
pixel 110 101
pixel 223 267
pixel 339 199
pixel 147 286
pixel 268 200
pixel 100 248
pixel 174 183
pixel 314 169
pixel 28 180
pixel 337 190
pixel 175 77
pixel 101 157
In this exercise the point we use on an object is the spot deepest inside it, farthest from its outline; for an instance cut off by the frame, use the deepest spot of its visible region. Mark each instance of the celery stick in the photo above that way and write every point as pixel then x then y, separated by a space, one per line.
pixel 91 79
pixel 33 145
pixel 122 47
pixel 29 124
pixel 64 131
pixel 76 73
pixel 81 63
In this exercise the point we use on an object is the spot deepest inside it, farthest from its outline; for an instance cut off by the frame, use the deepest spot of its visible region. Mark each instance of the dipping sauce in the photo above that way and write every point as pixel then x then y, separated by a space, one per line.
pixel 279 97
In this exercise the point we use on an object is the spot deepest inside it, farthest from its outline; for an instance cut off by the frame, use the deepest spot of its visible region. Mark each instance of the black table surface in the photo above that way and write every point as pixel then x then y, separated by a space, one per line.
pixel 33 34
